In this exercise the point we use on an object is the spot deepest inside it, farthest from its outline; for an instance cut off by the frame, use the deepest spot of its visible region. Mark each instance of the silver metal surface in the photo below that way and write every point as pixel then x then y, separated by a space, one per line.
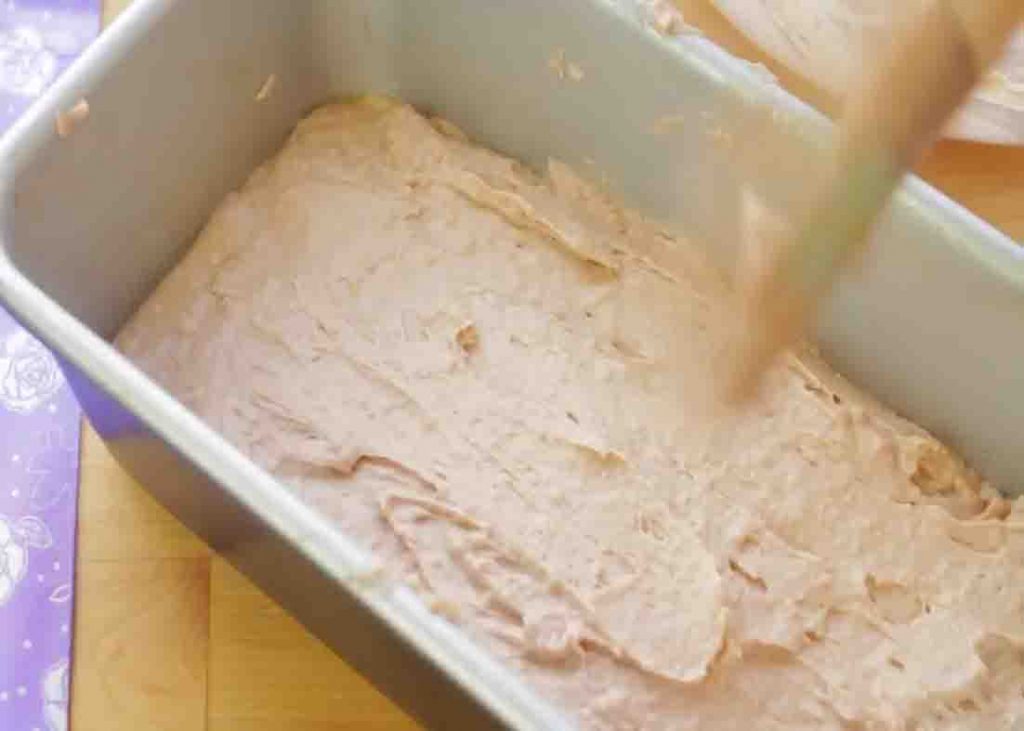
pixel 933 323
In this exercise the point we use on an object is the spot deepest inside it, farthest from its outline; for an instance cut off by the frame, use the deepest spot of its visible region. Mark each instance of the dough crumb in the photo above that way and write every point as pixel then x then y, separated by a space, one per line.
pixel 663 17
pixel 565 69
pixel 373 578
pixel 267 89
pixel 468 338
pixel 445 609
pixel 70 120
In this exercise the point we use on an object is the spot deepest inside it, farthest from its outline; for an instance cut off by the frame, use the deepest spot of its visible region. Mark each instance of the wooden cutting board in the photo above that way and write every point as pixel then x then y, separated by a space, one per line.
pixel 168 636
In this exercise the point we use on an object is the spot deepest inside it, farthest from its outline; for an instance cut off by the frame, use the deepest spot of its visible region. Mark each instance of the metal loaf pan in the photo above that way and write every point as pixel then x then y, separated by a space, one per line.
pixel 932 323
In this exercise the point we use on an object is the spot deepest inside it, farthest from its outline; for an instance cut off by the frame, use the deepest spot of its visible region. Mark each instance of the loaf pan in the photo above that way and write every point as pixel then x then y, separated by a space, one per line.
pixel 932 321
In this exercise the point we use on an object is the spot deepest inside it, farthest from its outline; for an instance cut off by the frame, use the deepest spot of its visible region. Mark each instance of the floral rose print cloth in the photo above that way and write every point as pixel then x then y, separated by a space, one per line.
pixel 39 422
pixel 38 39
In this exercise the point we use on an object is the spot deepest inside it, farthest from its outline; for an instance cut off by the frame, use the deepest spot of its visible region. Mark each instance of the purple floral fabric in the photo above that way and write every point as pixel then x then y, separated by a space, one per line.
pixel 38 39
pixel 39 423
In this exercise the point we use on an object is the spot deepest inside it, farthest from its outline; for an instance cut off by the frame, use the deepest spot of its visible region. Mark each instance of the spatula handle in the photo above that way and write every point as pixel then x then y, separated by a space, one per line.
pixel 901 106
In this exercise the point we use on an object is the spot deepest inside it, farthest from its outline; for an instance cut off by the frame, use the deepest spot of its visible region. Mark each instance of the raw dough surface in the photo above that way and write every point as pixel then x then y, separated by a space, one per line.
pixel 490 378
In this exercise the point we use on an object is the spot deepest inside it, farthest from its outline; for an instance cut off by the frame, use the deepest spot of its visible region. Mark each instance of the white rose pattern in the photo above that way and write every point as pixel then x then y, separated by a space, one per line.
pixel 15 540
pixel 38 39
pixel 29 374
pixel 13 561
pixel 27 66
pixel 55 697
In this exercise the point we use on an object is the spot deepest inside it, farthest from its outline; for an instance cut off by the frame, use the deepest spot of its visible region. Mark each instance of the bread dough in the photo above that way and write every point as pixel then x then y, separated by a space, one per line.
pixel 493 380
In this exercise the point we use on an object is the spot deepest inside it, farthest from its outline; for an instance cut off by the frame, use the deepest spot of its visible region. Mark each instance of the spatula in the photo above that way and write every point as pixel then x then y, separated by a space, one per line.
pixel 900 108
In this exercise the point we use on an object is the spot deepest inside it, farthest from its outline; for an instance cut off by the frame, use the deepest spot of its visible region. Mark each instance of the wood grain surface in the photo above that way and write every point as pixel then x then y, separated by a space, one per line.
pixel 169 636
